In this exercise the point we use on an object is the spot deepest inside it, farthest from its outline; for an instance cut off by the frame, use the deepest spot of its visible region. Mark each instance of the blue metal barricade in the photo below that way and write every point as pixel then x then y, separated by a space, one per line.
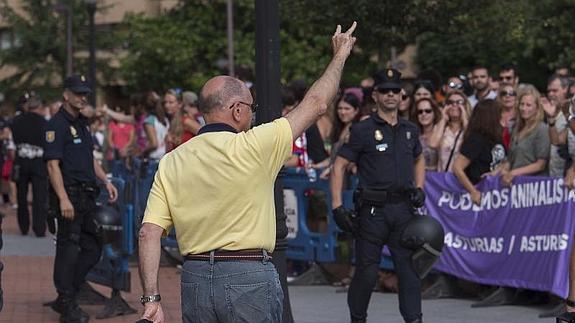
pixel 304 244
pixel 112 270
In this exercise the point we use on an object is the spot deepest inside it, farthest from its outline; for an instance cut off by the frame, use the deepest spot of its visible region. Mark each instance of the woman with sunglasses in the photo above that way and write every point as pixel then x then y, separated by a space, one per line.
pixel 508 99
pixel 447 135
pixel 426 115
pixel 529 151
pixel 482 149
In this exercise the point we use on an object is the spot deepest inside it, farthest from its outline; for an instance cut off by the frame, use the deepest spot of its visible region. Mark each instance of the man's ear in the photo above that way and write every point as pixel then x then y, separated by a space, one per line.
pixel 236 113
pixel 65 95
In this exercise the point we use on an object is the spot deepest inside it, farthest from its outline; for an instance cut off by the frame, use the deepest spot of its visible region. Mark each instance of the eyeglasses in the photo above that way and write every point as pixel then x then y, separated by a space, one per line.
pixel 253 106
pixel 385 91
pixel 404 97
pixel 454 85
pixel 422 111
pixel 452 102
pixel 508 93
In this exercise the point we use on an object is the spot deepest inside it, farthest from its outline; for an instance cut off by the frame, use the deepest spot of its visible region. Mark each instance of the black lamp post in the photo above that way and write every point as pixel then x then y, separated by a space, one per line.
pixel 91 6
pixel 268 96
pixel 69 51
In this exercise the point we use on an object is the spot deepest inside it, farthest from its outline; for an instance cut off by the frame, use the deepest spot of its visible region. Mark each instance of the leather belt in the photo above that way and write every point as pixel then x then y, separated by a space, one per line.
pixel 230 255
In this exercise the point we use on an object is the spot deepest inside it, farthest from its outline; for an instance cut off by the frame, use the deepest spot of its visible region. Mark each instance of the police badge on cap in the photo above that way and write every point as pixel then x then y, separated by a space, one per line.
pixel 387 79
pixel 77 83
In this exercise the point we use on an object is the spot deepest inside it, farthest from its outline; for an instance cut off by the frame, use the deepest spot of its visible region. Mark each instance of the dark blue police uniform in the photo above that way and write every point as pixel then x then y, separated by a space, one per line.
pixel 68 140
pixel 30 168
pixel 385 156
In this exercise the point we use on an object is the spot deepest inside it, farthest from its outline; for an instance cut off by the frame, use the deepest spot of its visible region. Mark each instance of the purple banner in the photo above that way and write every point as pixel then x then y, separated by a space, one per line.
pixel 521 236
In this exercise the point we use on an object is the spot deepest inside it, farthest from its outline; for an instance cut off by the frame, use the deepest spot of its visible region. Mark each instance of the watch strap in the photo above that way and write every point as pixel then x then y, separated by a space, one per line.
pixel 150 298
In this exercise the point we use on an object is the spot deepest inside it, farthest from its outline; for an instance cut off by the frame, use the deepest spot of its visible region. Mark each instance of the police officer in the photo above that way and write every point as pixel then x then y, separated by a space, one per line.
pixel 391 173
pixel 29 167
pixel 73 171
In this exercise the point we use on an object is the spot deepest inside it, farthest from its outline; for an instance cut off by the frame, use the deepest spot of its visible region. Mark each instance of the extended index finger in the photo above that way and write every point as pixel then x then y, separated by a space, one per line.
pixel 351 29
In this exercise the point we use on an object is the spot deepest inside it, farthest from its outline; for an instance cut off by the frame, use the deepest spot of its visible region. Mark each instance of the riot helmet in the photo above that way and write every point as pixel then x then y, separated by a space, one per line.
pixel 424 235
pixel 109 222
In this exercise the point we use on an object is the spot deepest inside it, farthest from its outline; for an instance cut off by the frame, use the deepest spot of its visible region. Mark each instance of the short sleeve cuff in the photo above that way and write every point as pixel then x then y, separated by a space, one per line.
pixel 52 156
pixel 347 153
pixel 166 225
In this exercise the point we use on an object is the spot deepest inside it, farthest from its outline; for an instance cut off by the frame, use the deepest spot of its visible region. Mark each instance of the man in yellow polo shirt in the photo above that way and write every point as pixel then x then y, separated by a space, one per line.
pixel 216 190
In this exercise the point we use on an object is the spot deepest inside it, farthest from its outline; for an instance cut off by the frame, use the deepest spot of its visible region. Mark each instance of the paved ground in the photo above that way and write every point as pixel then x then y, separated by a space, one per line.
pixel 27 283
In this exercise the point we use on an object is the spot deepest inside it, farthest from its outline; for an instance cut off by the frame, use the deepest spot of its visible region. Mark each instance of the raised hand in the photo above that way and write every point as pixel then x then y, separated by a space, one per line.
pixel 342 43
pixel 550 107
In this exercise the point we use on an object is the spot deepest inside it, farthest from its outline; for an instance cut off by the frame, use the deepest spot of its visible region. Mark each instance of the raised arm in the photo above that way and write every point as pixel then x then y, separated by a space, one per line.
pixel 118 116
pixel 322 92
pixel 438 130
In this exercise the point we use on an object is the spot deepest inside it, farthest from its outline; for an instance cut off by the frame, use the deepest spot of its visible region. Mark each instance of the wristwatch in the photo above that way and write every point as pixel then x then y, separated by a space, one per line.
pixel 151 298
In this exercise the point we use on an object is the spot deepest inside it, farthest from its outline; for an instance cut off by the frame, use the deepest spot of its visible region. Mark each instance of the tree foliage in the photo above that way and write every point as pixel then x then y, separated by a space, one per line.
pixel 39 56
pixel 188 44
pixel 185 46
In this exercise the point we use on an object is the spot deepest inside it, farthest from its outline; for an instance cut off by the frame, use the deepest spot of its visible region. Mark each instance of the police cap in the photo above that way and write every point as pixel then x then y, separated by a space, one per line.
pixel 77 83
pixel 387 79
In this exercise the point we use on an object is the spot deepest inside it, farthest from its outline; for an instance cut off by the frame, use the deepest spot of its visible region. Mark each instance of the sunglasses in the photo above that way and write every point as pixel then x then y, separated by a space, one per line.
pixel 506 78
pixel 422 111
pixel 253 106
pixel 453 85
pixel 508 93
pixel 385 91
pixel 404 97
pixel 453 102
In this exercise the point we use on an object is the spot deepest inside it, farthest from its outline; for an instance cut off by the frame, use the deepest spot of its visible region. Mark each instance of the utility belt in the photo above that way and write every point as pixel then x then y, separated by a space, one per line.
pixel 379 198
pixel 231 255
pixel 83 187
pixel 28 151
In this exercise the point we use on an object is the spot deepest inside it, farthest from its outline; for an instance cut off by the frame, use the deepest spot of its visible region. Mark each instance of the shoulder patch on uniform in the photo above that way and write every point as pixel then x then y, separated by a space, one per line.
pixel 50 136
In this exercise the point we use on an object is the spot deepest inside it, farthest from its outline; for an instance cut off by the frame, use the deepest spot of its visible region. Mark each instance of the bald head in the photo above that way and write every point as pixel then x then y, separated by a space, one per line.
pixel 219 92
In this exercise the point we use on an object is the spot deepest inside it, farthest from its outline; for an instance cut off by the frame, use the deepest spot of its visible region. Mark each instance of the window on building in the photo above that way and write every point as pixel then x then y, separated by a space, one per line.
pixel 9 39
pixel 5 39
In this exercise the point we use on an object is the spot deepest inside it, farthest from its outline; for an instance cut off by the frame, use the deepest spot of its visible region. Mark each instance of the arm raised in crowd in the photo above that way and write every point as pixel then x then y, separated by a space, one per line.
pixel 322 92
pixel 438 130
pixel 118 116
pixel 551 110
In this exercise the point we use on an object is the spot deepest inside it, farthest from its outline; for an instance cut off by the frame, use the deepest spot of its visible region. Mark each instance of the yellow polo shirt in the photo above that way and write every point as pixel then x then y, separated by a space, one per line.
pixel 217 189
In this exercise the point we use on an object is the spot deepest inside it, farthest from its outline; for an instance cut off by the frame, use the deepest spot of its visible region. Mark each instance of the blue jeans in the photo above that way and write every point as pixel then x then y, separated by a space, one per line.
pixel 230 291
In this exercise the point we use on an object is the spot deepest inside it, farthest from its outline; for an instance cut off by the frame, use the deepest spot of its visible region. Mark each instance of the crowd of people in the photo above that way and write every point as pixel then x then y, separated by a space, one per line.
pixel 473 125
pixel 517 131
pixel 532 135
